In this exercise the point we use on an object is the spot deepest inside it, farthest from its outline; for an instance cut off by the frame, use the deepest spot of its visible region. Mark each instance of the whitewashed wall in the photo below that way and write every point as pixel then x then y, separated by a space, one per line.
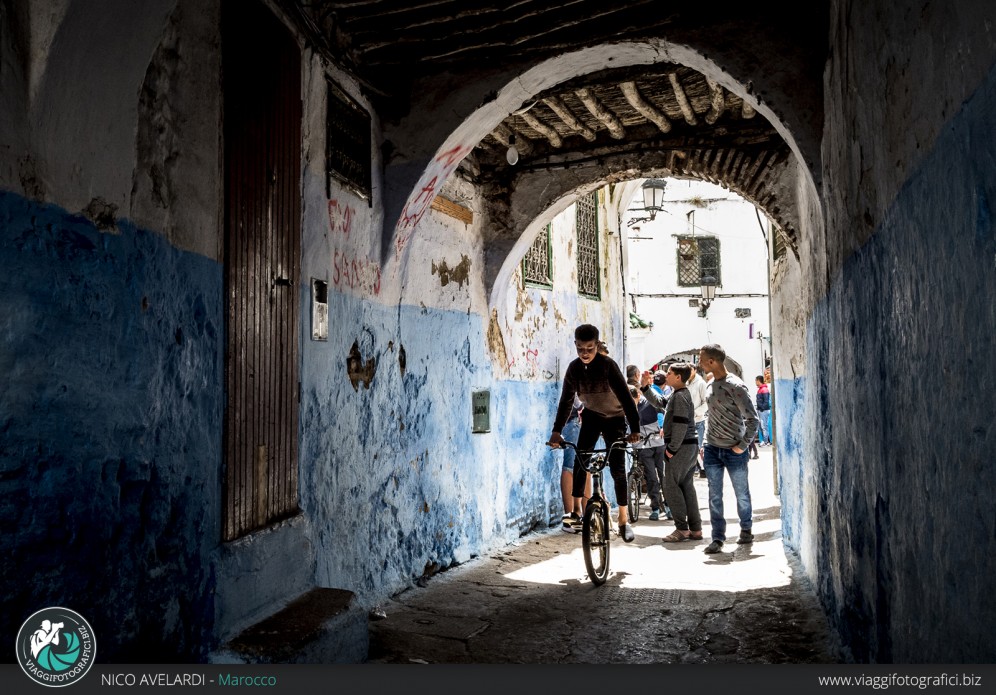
pixel 538 323
pixel 652 270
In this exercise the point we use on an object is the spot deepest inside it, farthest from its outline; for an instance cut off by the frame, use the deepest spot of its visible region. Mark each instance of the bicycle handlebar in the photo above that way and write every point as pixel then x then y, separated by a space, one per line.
pixel 594 460
pixel 621 444
pixel 618 444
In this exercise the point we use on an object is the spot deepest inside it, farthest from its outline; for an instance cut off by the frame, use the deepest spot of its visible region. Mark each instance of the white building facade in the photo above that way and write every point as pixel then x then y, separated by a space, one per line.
pixel 702 230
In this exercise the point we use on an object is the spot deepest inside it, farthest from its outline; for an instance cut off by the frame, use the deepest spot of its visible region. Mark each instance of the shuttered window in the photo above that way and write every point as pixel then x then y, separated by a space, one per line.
pixel 698 257
pixel 347 143
pixel 537 266
pixel 587 231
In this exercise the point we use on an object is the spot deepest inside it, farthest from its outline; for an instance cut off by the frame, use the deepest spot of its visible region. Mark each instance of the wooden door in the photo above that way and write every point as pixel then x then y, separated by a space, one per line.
pixel 262 159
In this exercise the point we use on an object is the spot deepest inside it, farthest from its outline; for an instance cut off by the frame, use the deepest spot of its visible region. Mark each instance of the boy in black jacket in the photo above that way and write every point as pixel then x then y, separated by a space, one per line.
pixel 599 383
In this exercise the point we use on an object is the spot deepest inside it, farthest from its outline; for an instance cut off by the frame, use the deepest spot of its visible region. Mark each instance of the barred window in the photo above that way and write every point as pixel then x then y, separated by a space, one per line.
pixel 587 229
pixel 537 268
pixel 347 143
pixel 698 257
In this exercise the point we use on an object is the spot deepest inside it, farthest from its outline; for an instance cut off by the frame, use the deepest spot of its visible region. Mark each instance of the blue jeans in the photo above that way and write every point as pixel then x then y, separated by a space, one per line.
pixel 570 434
pixel 764 426
pixel 716 460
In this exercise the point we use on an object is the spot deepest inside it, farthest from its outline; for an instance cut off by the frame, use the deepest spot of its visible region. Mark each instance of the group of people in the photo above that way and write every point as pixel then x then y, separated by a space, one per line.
pixel 664 417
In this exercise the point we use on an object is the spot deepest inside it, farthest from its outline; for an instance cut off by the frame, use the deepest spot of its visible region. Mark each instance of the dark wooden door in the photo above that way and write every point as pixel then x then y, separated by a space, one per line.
pixel 262 145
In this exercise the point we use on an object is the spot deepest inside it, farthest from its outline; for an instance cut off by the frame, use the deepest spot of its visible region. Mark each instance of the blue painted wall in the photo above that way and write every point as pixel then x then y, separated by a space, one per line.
pixel 393 479
pixel 895 419
pixel 110 430
pixel 111 414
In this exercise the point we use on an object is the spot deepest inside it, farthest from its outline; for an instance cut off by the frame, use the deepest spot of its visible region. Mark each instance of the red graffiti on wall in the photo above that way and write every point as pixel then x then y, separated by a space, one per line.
pixel 340 217
pixel 355 273
pixel 532 359
pixel 428 187
pixel 453 156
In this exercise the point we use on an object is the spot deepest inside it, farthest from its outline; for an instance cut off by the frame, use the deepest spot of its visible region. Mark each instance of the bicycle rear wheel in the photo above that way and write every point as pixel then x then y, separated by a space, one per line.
pixel 595 541
pixel 633 483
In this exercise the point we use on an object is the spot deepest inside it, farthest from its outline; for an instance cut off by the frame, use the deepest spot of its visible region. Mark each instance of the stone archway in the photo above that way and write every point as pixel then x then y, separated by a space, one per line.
pixel 507 222
pixel 770 164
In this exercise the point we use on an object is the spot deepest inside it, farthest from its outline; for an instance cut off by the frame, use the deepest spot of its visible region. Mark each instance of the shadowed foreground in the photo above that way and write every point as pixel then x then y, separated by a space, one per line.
pixel 532 602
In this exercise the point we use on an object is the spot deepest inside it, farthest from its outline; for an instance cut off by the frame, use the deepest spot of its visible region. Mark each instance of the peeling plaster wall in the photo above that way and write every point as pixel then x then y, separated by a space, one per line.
pixel 537 324
pixel 111 405
pixel 886 437
pixel 110 420
pixel 795 281
pixel 393 481
pixel 112 345
pixel 112 327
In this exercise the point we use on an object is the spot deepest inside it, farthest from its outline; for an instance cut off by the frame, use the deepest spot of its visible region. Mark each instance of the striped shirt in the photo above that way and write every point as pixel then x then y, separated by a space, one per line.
pixel 679 421
pixel 732 420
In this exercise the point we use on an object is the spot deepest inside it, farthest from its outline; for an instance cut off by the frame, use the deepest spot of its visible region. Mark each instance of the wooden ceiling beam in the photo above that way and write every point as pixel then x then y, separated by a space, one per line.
pixel 569 118
pixel 644 107
pixel 754 168
pixel 599 111
pixel 718 102
pixel 429 8
pixel 542 128
pixel 529 24
pixel 431 45
pixel 735 164
pixel 682 99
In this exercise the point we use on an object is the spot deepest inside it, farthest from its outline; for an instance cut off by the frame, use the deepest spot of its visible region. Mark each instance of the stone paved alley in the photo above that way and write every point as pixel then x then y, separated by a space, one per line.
pixel 532 602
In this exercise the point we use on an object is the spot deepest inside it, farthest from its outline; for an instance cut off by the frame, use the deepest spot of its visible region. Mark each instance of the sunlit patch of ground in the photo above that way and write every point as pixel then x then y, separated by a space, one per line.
pixel 649 563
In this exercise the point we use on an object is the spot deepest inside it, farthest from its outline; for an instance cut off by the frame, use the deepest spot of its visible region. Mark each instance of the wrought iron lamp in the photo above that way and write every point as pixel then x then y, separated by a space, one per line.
pixel 708 284
pixel 653 200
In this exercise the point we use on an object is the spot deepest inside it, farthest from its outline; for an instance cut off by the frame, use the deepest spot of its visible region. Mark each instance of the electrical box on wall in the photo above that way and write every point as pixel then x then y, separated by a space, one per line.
pixel 319 309
pixel 481 402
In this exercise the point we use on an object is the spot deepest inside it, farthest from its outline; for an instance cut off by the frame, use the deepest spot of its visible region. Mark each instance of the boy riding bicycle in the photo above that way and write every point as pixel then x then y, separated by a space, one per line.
pixel 600 385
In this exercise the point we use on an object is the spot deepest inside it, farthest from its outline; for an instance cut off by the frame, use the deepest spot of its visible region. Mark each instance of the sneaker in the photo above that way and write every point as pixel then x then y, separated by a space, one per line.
pixel 654 515
pixel 626 533
pixel 745 537
pixel 713 548
pixel 571 524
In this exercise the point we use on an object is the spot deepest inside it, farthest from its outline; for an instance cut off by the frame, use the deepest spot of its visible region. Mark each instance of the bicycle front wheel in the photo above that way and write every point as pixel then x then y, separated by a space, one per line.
pixel 595 541
pixel 633 485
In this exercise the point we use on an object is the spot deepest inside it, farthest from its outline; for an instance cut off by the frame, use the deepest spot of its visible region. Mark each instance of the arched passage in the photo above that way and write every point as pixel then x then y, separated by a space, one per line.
pixel 541 79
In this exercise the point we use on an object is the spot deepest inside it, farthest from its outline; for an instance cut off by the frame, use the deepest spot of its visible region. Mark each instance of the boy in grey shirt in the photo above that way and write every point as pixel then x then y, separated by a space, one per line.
pixel 731 427
pixel 682 455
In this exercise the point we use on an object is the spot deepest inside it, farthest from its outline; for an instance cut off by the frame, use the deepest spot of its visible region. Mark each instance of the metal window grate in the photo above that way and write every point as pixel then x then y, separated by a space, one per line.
pixel 697 258
pixel 587 230
pixel 537 266
pixel 347 143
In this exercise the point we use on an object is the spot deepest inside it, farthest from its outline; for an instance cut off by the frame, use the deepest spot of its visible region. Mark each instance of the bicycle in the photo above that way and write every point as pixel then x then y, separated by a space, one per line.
pixel 595 522
pixel 636 482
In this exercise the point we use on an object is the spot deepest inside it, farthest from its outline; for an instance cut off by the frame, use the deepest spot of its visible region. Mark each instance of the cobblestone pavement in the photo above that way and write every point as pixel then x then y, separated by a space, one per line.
pixel 663 603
